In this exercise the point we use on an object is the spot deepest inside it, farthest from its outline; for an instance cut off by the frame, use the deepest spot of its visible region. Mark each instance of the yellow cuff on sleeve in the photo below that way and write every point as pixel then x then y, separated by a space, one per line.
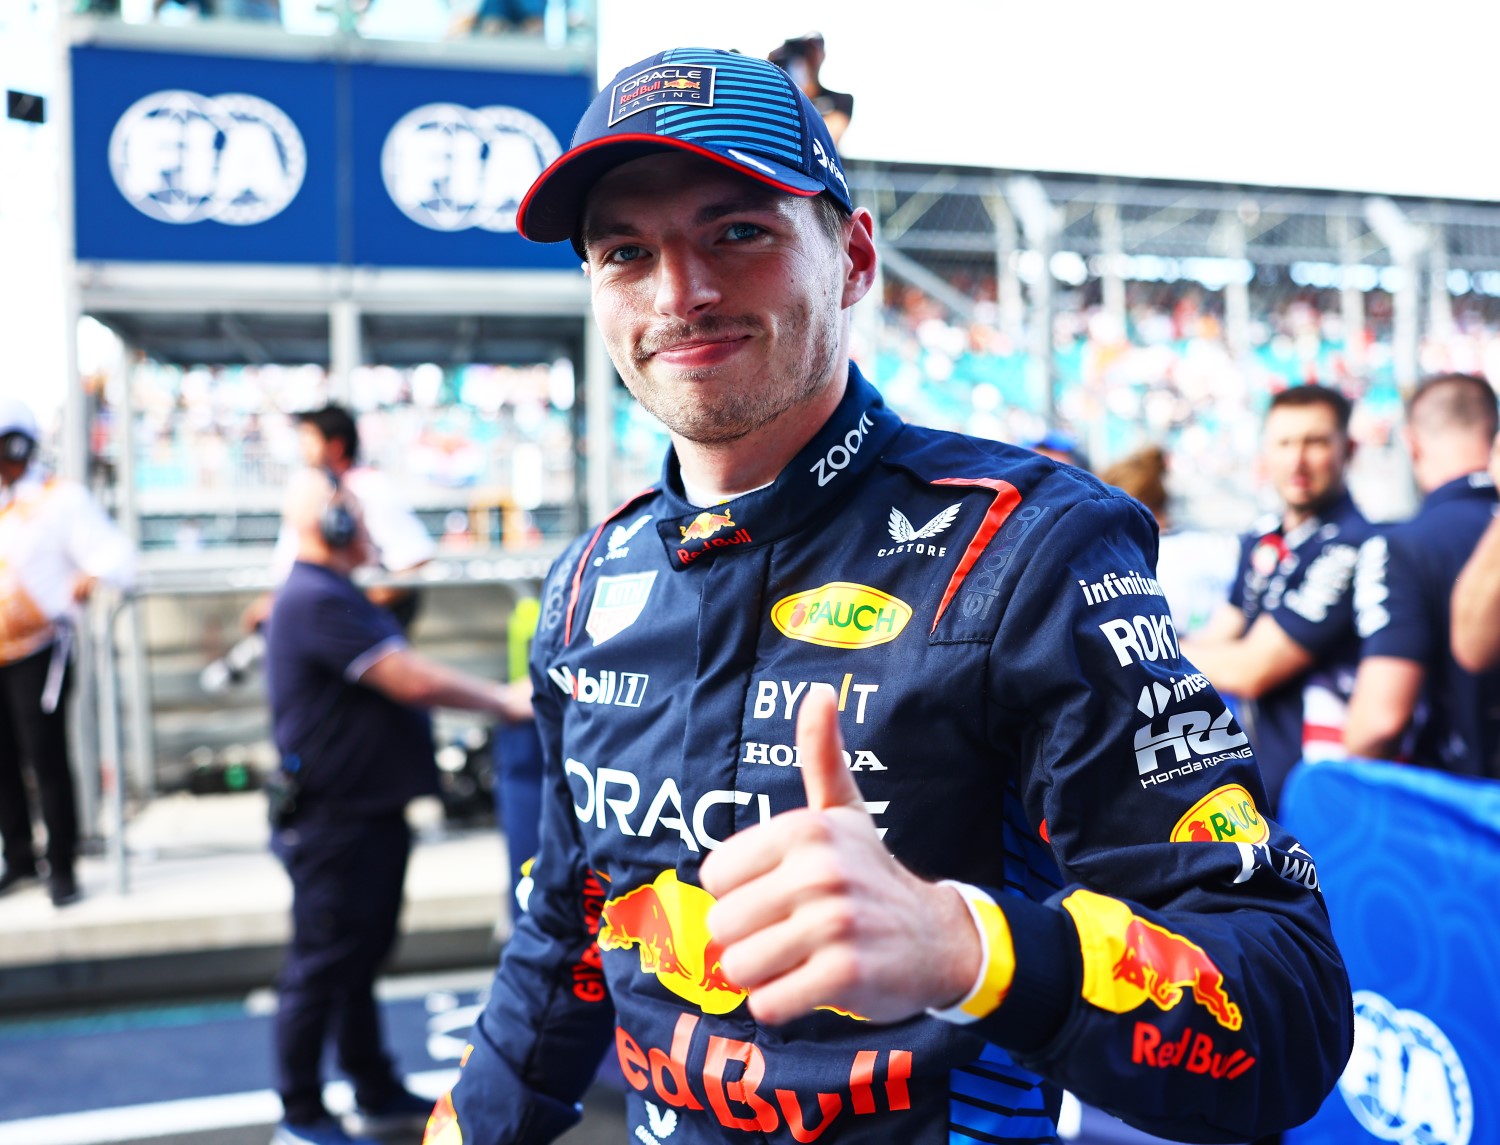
pixel 997 959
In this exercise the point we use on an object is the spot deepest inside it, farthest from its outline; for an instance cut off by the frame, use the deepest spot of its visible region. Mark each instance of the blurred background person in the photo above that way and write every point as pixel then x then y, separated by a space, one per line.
pixel 56 544
pixel 802 58
pixel 1060 446
pixel 1475 626
pixel 328 438
pixel 1195 567
pixel 1285 640
pixel 1412 700
pixel 348 703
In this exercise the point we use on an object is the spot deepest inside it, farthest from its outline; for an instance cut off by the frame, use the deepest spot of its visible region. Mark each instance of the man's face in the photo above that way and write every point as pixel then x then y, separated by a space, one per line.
pixel 720 300
pixel 1305 455
pixel 313 445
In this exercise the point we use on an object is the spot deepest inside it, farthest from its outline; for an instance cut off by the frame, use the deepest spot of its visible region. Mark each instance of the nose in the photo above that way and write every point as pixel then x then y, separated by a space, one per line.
pixel 686 285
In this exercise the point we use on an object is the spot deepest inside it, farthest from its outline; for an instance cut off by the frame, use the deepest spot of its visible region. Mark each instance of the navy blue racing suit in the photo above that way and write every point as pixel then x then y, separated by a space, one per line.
pixel 1019 719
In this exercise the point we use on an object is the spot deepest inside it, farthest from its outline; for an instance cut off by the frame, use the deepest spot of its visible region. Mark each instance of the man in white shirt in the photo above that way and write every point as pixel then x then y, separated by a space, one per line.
pixel 56 545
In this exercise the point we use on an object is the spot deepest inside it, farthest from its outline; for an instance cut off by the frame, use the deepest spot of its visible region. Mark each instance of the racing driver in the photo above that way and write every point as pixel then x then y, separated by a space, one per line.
pixel 880 804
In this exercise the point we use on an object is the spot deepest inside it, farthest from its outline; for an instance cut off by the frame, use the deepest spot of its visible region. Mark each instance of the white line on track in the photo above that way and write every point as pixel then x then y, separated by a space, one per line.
pixel 190 1115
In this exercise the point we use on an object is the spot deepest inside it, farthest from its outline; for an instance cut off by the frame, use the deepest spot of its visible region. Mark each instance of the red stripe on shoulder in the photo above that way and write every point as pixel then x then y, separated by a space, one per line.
pixel 1006 499
pixel 583 561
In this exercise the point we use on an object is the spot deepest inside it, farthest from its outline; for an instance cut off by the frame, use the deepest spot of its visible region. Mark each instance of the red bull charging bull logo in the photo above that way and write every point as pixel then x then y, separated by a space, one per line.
pixel 1129 962
pixel 667 922
pixel 705 525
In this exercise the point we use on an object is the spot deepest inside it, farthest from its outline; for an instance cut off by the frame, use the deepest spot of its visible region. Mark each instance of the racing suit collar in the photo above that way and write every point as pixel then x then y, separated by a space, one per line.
pixel 816 479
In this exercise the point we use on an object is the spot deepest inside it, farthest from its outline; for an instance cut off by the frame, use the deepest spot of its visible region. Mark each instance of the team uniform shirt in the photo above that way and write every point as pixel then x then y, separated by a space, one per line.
pixel 1405 584
pixel 1019 719
pixel 360 752
pixel 400 537
pixel 50 531
pixel 1304 580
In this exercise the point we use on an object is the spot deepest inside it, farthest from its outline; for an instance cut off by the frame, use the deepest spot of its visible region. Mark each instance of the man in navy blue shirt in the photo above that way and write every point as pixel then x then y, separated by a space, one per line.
pixel 1412 700
pixel 1285 641
pixel 348 699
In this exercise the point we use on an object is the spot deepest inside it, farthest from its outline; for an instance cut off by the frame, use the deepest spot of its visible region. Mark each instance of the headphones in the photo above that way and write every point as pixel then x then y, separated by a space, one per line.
pixel 338 526
pixel 17 446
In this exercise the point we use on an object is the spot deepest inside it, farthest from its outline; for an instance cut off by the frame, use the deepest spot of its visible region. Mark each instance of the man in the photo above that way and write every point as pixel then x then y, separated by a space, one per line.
pixel 802 58
pixel 329 439
pixel 56 545
pixel 1285 641
pixel 1475 627
pixel 1411 699
pixel 347 697
pixel 757 918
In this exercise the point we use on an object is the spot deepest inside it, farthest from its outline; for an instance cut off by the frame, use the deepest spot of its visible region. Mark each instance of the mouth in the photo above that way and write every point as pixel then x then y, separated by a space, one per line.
pixel 700 351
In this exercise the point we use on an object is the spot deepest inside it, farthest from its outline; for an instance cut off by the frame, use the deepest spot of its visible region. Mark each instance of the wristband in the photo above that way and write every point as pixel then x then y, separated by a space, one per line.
pixel 997 959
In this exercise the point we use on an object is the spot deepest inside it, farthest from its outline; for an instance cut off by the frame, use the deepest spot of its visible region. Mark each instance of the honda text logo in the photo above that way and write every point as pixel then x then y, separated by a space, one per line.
pixel 181 157
pixel 450 168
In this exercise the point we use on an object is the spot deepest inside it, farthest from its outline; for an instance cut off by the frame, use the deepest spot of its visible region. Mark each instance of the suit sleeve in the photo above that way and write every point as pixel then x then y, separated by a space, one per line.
pixel 549 1019
pixel 1185 978
pixel 1392 616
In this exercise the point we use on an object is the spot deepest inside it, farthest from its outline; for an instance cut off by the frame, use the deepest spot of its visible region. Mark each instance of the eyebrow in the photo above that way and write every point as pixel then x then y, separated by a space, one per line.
pixel 599 226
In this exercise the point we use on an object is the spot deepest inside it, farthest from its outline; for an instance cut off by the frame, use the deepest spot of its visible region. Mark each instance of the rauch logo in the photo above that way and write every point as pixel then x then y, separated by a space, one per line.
pixel 841 615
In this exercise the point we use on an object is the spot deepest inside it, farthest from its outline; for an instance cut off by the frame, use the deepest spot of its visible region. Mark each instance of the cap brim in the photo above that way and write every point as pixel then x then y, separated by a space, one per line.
pixel 553 207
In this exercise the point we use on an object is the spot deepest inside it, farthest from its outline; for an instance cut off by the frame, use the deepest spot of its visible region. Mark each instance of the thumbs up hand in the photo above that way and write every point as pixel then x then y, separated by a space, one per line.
pixel 813 910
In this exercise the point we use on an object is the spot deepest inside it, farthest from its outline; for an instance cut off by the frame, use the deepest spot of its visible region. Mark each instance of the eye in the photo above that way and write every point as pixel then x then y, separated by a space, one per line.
pixel 740 232
pixel 622 254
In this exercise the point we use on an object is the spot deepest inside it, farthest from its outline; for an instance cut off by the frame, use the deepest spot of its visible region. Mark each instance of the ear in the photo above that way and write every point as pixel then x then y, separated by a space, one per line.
pixel 859 249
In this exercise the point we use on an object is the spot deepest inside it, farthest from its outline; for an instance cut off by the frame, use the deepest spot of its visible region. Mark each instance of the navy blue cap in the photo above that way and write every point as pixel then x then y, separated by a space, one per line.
pixel 741 111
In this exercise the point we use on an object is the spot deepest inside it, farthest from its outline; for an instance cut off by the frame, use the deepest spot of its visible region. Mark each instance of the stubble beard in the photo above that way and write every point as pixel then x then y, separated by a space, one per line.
pixel 706 416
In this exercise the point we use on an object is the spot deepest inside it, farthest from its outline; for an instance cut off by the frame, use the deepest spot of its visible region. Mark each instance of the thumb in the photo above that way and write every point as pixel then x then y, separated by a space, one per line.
pixel 821 750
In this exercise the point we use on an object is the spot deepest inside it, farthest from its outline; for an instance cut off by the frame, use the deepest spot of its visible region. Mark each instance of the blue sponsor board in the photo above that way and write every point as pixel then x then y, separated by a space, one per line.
pixel 193 158
pixel 1408 859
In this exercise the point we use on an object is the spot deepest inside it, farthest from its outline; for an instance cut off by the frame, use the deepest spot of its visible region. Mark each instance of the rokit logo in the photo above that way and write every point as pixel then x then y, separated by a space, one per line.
pixel 908 538
pixel 620 689
pixel 1142 638
pixel 1196 740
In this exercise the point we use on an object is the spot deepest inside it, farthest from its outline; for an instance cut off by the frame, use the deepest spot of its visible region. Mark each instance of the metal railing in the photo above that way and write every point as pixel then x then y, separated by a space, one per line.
pixel 476 569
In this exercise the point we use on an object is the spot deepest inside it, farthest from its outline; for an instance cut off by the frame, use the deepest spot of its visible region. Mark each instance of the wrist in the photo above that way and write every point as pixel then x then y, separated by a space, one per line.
pixel 984 971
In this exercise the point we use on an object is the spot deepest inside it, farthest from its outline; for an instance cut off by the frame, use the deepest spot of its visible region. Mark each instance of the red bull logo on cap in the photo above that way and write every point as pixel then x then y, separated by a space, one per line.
pixel 1225 815
pixel 667 922
pixel 1129 961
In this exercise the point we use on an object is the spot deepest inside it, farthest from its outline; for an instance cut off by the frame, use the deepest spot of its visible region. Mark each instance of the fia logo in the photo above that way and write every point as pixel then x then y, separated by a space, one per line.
pixel 450 168
pixel 181 157
pixel 1405 1080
